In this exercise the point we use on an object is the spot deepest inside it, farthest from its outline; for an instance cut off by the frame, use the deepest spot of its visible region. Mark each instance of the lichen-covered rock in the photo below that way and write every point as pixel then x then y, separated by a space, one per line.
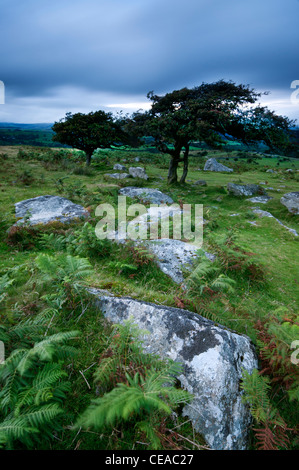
pixel 212 357
pixel 151 195
pixel 138 172
pixel 213 165
pixel 174 255
pixel 245 189
pixel 262 213
pixel 118 176
pixel 260 199
pixel 118 166
pixel 46 209
pixel 291 201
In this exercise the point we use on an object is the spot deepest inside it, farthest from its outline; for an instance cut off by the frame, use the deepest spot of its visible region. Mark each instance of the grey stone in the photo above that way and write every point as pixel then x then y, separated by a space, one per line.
pixel 212 165
pixel 291 201
pixel 262 213
pixel 151 195
pixel 138 172
pixel 118 166
pixel 260 199
pixel 201 183
pixel 244 189
pixel 175 255
pixel 270 171
pixel 212 358
pixel 118 176
pixel 46 209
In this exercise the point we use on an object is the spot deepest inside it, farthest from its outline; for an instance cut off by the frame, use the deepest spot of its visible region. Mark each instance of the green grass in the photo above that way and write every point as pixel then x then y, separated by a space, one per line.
pixel 272 245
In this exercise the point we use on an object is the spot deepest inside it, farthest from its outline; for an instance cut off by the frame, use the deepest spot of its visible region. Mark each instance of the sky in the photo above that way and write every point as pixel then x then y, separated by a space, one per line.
pixel 60 56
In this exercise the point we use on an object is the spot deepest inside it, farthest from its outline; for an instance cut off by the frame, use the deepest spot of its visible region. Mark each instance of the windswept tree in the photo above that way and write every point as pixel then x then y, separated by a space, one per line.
pixel 90 131
pixel 210 113
pixel 259 124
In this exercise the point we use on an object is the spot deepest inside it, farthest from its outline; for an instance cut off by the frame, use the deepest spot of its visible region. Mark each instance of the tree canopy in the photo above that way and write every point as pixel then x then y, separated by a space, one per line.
pixel 211 113
pixel 90 131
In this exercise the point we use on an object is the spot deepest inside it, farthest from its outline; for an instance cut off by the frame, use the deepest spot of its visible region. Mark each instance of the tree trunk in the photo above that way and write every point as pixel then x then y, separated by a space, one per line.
pixel 174 163
pixel 88 158
pixel 173 170
pixel 185 170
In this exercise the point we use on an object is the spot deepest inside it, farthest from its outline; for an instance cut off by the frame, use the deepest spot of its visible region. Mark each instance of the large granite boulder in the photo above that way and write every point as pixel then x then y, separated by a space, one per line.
pixel 174 255
pixel 45 209
pixel 151 195
pixel 245 189
pixel 138 172
pixel 212 357
pixel 291 201
pixel 213 165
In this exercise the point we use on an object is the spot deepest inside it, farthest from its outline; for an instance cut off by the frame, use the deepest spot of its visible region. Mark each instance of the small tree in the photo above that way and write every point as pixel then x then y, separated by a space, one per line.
pixel 211 113
pixel 90 131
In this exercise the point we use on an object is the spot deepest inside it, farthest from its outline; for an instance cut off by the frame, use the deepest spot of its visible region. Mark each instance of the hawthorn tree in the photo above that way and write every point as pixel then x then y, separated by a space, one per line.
pixel 211 113
pixel 90 131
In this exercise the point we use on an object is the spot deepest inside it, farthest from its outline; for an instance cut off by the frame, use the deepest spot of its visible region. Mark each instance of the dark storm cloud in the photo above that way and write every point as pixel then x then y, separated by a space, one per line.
pixel 133 46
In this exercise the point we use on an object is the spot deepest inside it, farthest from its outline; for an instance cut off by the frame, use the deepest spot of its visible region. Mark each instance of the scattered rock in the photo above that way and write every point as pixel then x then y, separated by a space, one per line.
pixel 173 255
pixel 212 165
pixel 244 189
pixel 260 199
pixel 270 171
pixel 291 201
pixel 46 209
pixel 118 176
pixel 262 213
pixel 118 166
pixel 201 183
pixel 151 195
pixel 138 172
pixel 289 170
pixel 212 357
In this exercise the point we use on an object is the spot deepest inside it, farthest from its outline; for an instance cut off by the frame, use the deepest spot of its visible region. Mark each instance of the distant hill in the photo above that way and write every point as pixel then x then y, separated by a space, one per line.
pixel 37 126
pixel 39 134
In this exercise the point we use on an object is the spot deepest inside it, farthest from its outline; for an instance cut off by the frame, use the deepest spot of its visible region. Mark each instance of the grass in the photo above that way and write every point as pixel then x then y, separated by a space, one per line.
pixel 270 244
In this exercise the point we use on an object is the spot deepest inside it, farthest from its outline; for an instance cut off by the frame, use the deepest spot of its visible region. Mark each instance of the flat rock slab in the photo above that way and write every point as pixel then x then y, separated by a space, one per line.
pixel 260 199
pixel 46 209
pixel 244 189
pixel 212 357
pixel 262 213
pixel 151 195
pixel 174 255
pixel 118 176
pixel 291 201
pixel 212 165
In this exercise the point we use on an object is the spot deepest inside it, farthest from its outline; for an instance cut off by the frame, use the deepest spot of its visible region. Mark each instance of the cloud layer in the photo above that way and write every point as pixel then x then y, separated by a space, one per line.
pixel 69 55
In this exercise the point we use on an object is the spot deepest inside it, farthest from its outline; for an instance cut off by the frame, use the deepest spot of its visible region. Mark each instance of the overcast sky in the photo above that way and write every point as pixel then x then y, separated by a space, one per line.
pixel 81 56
